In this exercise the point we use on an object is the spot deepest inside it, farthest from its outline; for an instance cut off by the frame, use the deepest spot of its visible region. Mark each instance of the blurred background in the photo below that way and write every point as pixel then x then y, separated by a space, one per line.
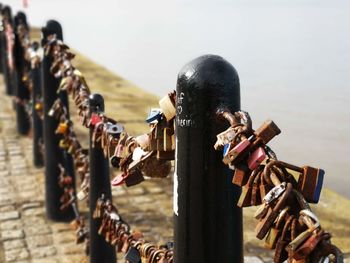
pixel 293 59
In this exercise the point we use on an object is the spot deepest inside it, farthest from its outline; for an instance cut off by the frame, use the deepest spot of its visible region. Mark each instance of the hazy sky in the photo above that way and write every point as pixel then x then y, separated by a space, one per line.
pixel 293 58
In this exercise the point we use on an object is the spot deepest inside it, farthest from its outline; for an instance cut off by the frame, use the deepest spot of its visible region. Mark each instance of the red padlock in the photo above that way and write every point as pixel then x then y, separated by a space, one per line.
pixel 119 179
pixel 255 158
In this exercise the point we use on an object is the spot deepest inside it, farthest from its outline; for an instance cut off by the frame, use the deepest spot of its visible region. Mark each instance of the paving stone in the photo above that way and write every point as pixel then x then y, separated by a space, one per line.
pixel 35 230
pixel 6 190
pixel 7 208
pixel 155 190
pixel 45 260
pixel 16 255
pixel 12 234
pixel 60 227
pixel 39 241
pixel 12 224
pixel 19 172
pixel 136 191
pixel 72 249
pixel 4 173
pixel 74 259
pixel 33 220
pixel 64 237
pixel 29 195
pixel 14 244
pixel 142 199
pixel 250 259
pixel 9 215
pixel 31 205
pixel 33 211
pixel 43 252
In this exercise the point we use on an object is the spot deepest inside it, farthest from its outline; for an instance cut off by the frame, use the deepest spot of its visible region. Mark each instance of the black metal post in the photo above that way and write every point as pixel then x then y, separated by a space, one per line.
pixel 100 250
pixel 7 20
pixel 53 154
pixel 21 68
pixel 37 124
pixel 1 34
pixel 208 224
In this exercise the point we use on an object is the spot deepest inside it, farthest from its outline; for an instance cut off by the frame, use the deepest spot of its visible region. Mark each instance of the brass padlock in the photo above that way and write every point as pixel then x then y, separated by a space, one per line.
pixel 167 104
pixel 267 131
pixel 62 128
pixel 168 142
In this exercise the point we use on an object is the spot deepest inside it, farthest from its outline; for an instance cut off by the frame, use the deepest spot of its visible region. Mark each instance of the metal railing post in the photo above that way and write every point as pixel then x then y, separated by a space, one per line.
pixel 21 65
pixel 53 154
pixel 100 250
pixel 208 224
pixel 7 19
pixel 37 123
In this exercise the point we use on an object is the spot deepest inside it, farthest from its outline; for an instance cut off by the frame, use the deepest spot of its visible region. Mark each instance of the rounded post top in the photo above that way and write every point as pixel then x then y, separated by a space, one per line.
pixel 7 12
pixel 96 103
pixel 51 27
pixel 20 18
pixel 213 79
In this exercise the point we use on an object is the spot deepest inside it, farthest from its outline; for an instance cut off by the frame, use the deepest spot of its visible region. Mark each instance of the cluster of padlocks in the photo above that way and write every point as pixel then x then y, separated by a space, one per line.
pixel 148 155
pixel 281 191
pixel 285 218
pixel 116 232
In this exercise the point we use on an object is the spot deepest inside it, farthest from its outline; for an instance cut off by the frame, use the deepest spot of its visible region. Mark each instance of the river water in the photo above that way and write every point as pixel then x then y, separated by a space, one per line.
pixel 293 58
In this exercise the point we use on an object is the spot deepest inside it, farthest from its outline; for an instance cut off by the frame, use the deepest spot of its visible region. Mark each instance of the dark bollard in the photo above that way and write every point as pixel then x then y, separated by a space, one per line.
pixel 100 250
pixel 1 33
pixel 208 224
pixel 7 71
pixel 37 124
pixel 22 66
pixel 53 154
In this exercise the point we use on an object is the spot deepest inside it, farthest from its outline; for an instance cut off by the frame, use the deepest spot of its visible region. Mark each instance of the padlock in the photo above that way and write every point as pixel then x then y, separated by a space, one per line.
pixel 167 144
pixel 114 160
pixel 256 198
pixel 310 183
pixel 167 104
pixel 241 174
pixel 168 155
pixel 267 131
pixel 62 128
pixel 63 144
pixel 237 151
pixel 152 139
pixel 246 195
pixel 143 141
pixel 266 222
pixel 119 179
pixel 256 158
pixel 134 177
pixel 226 137
pixel 264 186
pixel 39 106
pixel 305 249
pixel 133 255
pixel 154 115
pixel 276 230
pixel 83 193
pixel 94 119
pixel 156 168
pixel 280 253
pixel 114 128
